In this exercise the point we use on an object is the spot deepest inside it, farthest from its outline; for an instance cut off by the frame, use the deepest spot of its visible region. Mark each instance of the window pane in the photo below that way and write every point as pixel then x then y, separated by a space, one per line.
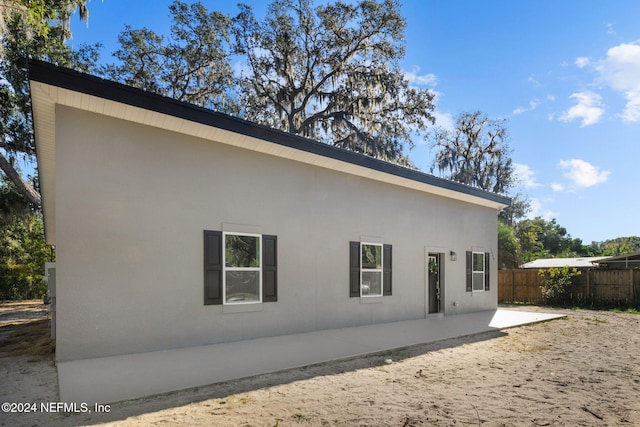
pixel 242 286
pixel 478 261
pixel 478 281
pixel 371 257
pixel 242 251
pixel 371 283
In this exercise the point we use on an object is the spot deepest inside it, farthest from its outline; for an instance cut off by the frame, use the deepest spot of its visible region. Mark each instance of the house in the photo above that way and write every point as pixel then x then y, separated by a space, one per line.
pixel 610 262
pixel 621 261
pixel 177 227
pixel 579 262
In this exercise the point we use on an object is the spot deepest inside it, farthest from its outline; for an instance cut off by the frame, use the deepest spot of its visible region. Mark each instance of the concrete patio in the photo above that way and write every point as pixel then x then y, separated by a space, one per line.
pixel 117 378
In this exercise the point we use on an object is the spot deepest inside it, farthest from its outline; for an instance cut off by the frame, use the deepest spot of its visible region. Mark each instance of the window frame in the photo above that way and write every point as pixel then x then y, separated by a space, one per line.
pixel 372 270
pixel 226 269
pixel 474 272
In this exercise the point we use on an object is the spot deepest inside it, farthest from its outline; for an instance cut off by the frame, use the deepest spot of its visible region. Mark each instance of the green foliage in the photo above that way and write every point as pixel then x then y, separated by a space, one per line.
pixel 540 238
pixel 556 284
pixel 328 72
pixel 242 251
pixel 520 207
pixel 32 29
pixel 331 73
pixel 23 250
pixel 618 246
pixel 371 256
pixel 191 64
pixel 508 247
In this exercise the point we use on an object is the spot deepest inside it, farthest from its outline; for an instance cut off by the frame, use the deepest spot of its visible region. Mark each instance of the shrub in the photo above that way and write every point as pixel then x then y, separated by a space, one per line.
pixel 556 284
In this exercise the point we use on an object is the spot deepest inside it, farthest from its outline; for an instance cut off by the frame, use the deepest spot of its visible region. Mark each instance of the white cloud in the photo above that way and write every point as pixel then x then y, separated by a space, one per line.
pixel 620 70
pixel 582 62
pixel 429 79
pixel 534 81
pixel 588 109
pixel 538 211
pixel 610 29
pixel 582 174
pixel 557 187
pixel 533 104
pixel 525 175
pixel 444 120
pixel 632 110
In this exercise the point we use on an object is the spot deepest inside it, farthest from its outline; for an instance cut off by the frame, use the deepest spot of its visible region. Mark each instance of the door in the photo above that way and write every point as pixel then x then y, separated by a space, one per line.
pixel 434 274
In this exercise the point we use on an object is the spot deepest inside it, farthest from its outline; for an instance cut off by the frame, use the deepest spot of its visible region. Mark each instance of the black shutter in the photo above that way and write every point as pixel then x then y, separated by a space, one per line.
pixel 212 267
pixel 386 269
pixel 486 271
pixel 469 271
pixel 354 269
pixel 269 268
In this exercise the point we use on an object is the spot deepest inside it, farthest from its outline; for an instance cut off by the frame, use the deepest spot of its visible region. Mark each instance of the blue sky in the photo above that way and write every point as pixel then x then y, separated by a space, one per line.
pixel 566 75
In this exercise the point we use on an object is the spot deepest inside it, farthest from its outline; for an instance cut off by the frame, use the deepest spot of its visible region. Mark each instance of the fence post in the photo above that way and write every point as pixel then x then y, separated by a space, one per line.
pixel 588 296
pixel 513 286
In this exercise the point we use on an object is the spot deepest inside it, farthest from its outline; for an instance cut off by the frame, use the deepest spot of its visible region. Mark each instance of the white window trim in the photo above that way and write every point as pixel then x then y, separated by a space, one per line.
pixel 473 272
pixel 373 270
pixel 225 268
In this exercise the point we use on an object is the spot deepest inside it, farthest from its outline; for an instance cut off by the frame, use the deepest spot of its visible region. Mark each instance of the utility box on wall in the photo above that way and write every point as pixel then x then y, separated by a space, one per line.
pixel 50 298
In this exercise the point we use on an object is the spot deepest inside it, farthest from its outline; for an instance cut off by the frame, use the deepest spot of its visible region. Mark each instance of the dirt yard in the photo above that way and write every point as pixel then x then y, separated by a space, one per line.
pixel 583 370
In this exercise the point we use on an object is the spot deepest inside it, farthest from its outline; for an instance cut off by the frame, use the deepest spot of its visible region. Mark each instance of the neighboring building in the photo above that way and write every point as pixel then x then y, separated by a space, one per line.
pixel 176 226
pixel 615 262
pixel 580 262
pixel 621 261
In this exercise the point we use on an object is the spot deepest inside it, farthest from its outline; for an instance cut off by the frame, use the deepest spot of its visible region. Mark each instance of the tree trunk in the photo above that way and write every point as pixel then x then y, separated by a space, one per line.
pixel 23 186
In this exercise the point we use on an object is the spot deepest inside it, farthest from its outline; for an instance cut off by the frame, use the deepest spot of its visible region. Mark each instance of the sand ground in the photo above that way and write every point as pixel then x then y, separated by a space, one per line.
pixel 583 370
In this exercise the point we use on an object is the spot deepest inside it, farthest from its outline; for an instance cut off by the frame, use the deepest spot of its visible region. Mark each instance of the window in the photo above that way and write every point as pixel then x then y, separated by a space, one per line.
pixel 242 268
pixel 370 269
pixel 477 271
pixel 239 268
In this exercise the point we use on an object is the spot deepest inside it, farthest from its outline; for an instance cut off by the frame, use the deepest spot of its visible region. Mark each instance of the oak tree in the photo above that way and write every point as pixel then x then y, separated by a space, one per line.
pixel 475 152
pixel 31 29
pixel 331 73
pixel 191 64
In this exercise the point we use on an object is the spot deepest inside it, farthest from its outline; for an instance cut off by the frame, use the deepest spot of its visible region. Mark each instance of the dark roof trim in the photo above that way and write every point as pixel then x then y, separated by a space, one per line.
pixel 91 85
pixel 618 258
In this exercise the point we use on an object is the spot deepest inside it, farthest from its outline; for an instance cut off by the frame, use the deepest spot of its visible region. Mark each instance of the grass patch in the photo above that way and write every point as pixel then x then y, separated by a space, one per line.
pixel 300 417
pixel 26 339
pixel 594 320
pixel 628 310
pixel 616 307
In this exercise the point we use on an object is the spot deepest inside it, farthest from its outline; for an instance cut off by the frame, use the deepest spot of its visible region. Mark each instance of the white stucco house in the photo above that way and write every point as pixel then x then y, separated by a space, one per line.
pixel 177 227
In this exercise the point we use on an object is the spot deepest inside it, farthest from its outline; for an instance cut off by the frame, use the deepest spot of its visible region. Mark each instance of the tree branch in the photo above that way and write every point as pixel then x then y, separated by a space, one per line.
pixel 23 187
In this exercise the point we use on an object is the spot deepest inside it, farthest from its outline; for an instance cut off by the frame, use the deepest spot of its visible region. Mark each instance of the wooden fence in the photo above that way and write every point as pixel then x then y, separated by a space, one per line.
pixel 592 286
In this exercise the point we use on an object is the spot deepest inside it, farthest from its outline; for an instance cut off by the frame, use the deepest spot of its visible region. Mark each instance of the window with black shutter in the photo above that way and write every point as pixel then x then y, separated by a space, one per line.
pixel 477 271
pixel 370 272
pixel 239 268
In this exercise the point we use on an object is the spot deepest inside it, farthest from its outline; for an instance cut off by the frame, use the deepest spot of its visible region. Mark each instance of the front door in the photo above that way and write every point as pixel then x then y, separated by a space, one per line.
pixel 434 274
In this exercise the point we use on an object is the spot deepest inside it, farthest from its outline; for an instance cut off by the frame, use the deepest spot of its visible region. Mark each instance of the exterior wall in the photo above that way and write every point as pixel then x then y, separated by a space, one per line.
pixel 132 204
